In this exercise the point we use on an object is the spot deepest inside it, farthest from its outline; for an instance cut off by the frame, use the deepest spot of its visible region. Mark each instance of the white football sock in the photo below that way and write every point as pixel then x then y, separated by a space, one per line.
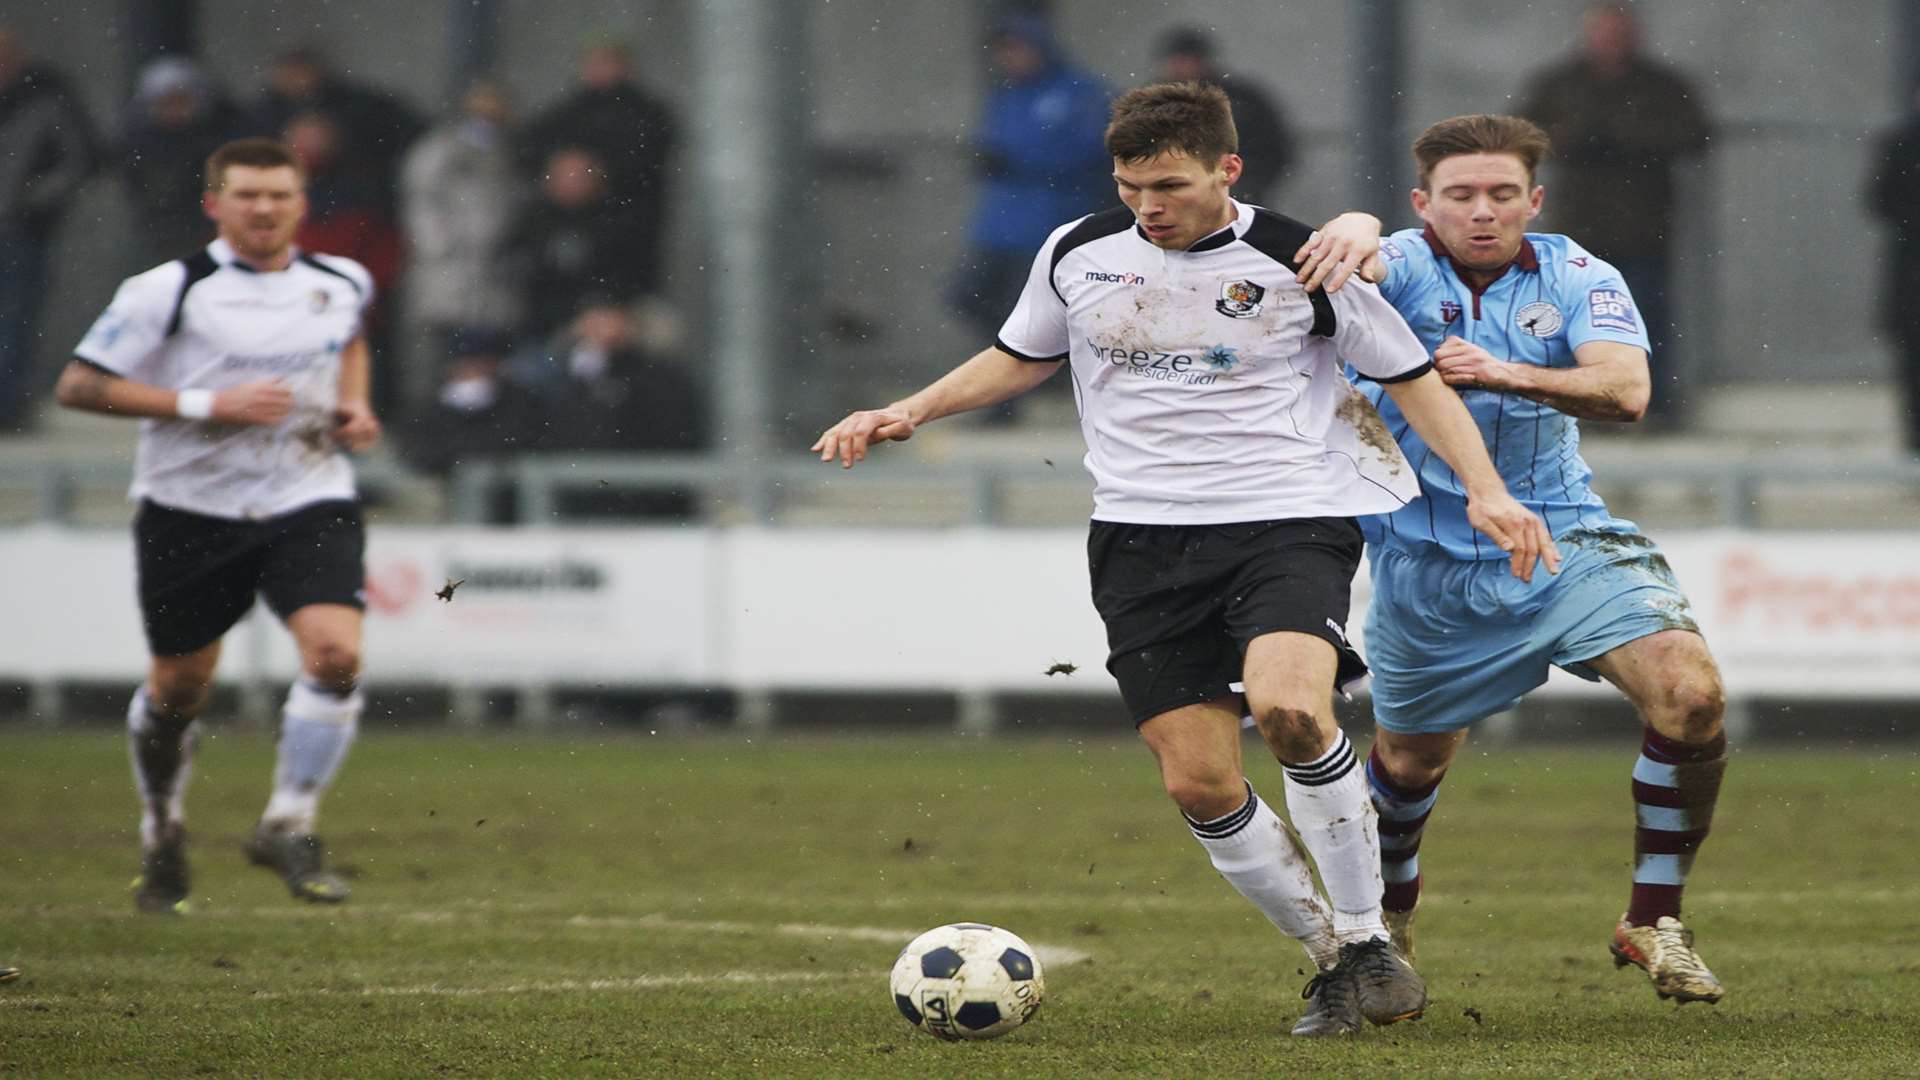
pixel 161 749
pixel 1253 850
pixel 1327 799
pixel 317 727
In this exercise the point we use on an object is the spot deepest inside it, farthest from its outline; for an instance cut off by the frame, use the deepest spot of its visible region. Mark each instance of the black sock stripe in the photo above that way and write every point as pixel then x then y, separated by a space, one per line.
pixel 1336 764
pixel 1222 827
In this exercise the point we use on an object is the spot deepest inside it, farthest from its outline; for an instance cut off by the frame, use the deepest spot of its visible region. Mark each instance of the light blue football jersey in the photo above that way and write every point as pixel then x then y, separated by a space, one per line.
pixel 1555 297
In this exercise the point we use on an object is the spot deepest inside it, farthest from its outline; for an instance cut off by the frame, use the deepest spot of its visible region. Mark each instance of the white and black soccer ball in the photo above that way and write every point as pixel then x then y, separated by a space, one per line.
pixel 967 981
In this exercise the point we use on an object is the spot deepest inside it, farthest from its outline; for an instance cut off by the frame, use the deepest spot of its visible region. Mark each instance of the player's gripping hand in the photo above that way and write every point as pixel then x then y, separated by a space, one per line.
pixel 1518 530
pixel 354 426
pixel 263 402
pixel 1330 256
pixel 1467 366
pixel 848 440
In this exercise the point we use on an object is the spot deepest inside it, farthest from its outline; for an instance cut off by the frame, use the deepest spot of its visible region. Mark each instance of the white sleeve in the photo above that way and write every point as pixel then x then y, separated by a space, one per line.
pixel 1037 329
pixel 1372 336
pixel 131 331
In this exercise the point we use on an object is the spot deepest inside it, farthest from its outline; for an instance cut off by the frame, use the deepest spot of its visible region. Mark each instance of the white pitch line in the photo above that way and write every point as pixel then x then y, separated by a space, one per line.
pixel 563 986
pixel 1052 955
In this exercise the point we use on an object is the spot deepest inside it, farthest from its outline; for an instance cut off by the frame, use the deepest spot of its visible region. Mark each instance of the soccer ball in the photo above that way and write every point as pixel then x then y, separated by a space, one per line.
pixel 967 981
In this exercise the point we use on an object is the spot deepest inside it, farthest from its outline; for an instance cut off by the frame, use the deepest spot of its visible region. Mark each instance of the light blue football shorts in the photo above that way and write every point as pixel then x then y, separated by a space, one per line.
pixel 1453 640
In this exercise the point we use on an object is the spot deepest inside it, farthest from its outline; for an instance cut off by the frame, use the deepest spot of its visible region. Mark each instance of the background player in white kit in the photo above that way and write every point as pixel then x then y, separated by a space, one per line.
pixel 1230 456
pixel 247 366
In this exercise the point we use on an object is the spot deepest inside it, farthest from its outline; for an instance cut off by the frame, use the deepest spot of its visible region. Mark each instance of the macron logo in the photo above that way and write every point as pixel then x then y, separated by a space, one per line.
pixel 1115 279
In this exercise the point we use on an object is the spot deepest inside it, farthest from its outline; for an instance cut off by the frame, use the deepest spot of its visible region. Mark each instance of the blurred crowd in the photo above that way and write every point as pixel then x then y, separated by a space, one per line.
pixel 518 261
pixel 521 257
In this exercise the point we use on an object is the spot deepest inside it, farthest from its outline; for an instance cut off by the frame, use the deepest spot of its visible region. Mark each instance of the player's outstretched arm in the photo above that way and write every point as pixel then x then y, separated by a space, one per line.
pixel 91 388
pixel 991 377
pixel 1437 414
pixel 1337 250
pixel 1608 381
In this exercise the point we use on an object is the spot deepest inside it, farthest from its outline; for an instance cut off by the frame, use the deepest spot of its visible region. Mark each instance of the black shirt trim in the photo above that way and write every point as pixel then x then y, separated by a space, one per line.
pixel 200 266
pixel 1018 355
pixel 1103 224
pixel 1278 236
pixel 1405 376
pixel 325 269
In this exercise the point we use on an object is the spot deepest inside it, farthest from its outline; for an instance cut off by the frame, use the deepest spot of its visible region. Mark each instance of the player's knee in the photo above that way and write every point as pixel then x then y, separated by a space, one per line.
pixel 1204 795
pixel 1412 765
pixel 177 693
pixel 1697 709
pixel 1292 733
pixel 334 663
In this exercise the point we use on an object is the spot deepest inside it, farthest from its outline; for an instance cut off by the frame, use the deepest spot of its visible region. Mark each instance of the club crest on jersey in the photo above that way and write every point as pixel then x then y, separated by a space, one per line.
pixel 318 302
pixel 1539 319
pixel 1240 299
pixel 1450 310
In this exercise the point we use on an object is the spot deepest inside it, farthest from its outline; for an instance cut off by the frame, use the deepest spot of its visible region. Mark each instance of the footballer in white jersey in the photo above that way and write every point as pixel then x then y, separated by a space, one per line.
pixel 247 366
pixel 1230 457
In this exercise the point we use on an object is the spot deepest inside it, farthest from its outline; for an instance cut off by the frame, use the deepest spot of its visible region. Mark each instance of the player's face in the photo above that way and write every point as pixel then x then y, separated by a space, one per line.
pixel 1177 199
pixel 258 210
pixel 1480 205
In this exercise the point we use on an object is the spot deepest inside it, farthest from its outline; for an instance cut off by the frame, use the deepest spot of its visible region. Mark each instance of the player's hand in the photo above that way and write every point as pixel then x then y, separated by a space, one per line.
pixel 1342 246
pixel 1518 530
pixel 1464 365
pixel 263 402
pixel 848 440
pixel 354 426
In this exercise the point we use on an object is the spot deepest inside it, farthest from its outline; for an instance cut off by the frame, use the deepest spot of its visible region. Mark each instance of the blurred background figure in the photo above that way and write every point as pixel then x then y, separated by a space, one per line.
pixel 1893 195
pixel 632 135
pixel 1620 121
pixel 461 190
pixel 1267 143
pixel 1041 164
pixel 568 249
pixel 47 151
pixel 374 128
pixel 179 115
pixel 349 214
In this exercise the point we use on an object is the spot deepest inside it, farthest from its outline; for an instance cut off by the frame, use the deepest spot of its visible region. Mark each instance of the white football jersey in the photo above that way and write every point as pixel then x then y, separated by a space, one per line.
pixel 1210 385
pixel 209 322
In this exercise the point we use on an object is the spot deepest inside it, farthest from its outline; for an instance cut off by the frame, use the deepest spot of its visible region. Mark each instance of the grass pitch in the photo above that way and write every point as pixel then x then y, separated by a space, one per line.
pixel 711 907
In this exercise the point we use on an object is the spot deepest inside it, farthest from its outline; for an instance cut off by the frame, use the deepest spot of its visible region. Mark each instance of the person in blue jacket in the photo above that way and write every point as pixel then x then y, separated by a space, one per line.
pixel 1041 159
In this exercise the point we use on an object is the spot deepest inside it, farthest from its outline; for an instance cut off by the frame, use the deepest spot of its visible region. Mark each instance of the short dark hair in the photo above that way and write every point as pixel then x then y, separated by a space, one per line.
pixel 1481 134
pixel 256 153
pixel 1189 117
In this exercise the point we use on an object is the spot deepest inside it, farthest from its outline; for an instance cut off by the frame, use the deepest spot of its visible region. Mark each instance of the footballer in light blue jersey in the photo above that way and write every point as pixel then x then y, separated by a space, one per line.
pixel 1554 297
pixel 1534 332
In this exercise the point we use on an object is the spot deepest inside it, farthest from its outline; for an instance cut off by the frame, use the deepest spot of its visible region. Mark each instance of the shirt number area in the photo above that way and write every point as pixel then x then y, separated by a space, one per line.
pixel 1612 309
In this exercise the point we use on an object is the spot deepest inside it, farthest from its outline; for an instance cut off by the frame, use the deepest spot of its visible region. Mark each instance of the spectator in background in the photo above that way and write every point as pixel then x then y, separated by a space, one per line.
pixel 1893 195
pixel 1041 160
pixel 632 135
pixel 179 117
pixel 47 151
pixel 375 128
pixel 1620 121
pixel 1267 144
pixel 348 215
pixel 568 249
pixel 461 190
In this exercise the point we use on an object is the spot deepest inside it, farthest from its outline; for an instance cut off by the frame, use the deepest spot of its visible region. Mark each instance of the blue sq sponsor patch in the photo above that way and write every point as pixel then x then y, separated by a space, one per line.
pixel 1612 309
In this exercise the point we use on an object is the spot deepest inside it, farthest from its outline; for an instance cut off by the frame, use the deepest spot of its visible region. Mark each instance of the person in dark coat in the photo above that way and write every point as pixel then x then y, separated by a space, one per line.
pixel 629 131
pixel 47 151
pixel 1267 143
